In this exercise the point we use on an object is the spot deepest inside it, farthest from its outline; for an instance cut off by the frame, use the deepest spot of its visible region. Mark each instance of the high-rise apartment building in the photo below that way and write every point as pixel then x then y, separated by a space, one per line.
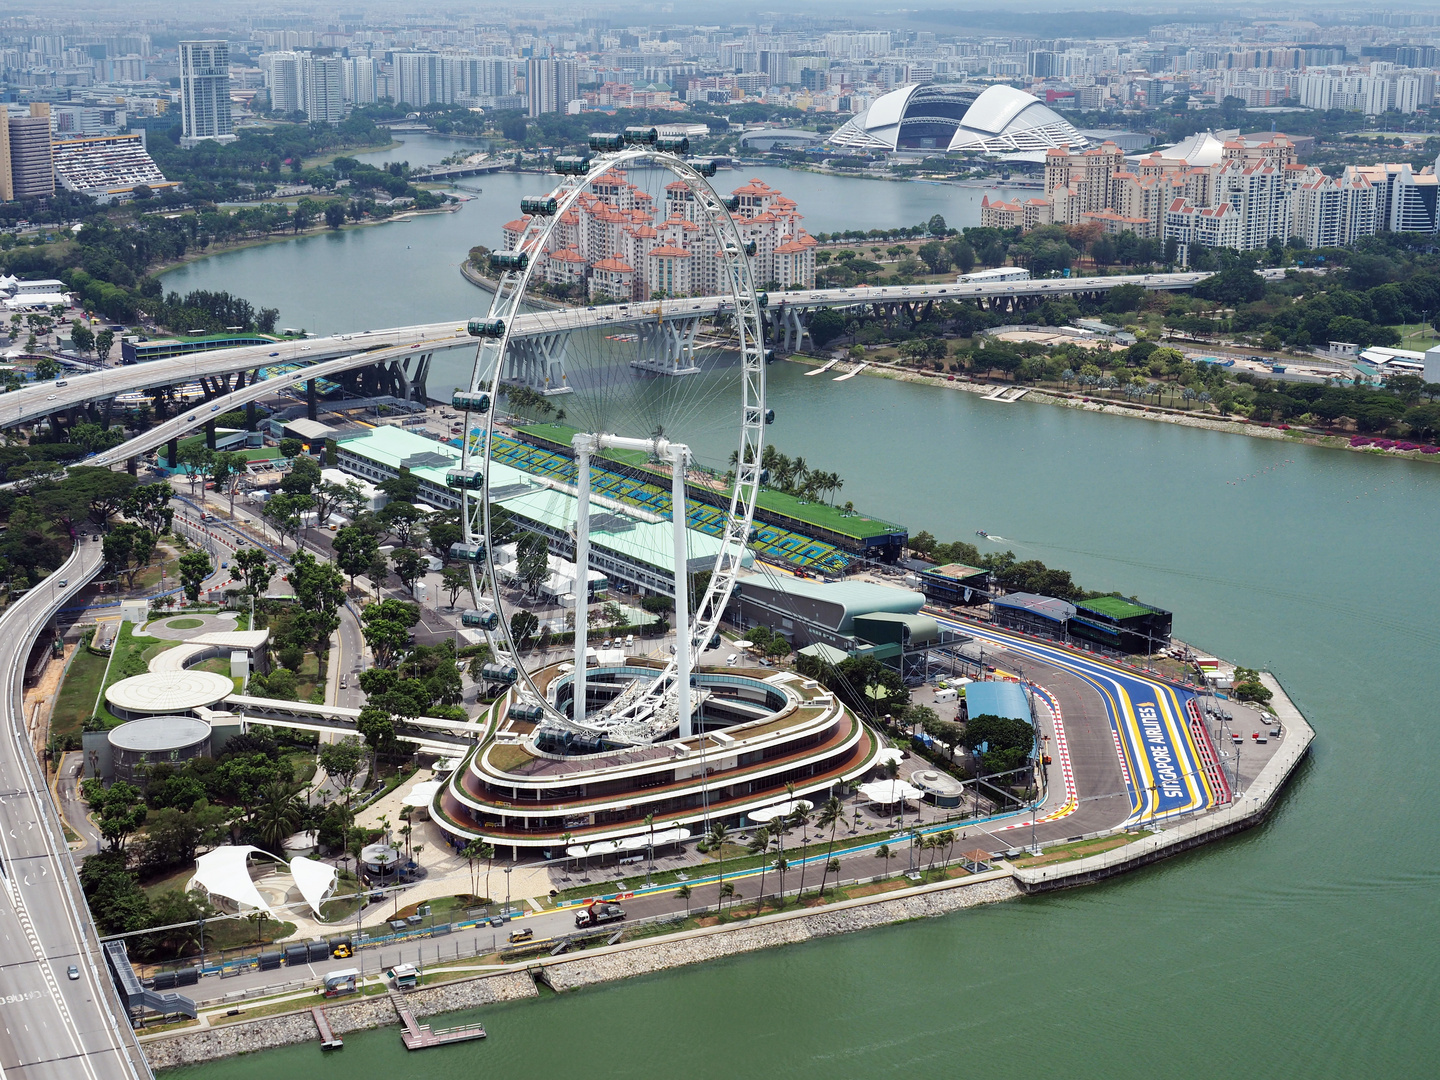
pixel 205 92
pixel 286 81
pixel 551 84
pixel 27 169
pixel 324 89
pixel 420 79
pixel 360 74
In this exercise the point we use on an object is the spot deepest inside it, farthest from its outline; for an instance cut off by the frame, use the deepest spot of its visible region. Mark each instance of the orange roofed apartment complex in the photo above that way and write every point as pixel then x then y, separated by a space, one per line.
pixel 617 244
pixel 1234 193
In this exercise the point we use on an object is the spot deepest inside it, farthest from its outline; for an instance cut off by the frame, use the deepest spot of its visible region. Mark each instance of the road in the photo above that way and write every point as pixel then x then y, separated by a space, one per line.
pixel 319 357
pixel 50 1026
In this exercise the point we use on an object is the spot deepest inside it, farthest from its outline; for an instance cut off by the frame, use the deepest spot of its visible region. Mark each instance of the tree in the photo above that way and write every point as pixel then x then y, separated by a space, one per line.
pixel 128 549
pixel 409 566
pixel 402 520
pixel 715 841
pixel 335 214
pixel 198 460
pixel 290 449
pixel 385 626
pixel 95 439
pixel 255 568
pixel 453 582
pixel 47 367
pixel 377 727
pixel 327 496
pixel 826 325
pixel 286 513
pixel 279 814
pixel 194 569
pixel 684 892
pixel 230 469
pixel 104 340
pixel 341 761
pixel 936 226
pixel 523 625
pixel 149 506
pixel 831 814
pixel 303 477
pixel 81 336
pixel 319 592
pixel 355 550
pixel 1008 741
pixel 120 809
pixel 760 845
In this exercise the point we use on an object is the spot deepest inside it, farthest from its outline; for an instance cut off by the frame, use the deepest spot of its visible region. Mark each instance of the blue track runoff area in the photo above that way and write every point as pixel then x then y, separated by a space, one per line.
pixel 1162 767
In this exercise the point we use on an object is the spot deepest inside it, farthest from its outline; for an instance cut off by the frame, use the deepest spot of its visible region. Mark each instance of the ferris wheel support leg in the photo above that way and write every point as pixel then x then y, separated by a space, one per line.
pixel 583 446
pixel 682 590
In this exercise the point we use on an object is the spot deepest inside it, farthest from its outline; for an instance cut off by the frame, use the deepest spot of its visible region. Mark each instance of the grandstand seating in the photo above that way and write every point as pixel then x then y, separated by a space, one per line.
pixel 771 542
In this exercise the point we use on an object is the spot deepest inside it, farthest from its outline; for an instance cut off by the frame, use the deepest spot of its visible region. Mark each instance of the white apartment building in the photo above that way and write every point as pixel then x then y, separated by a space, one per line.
pixel 359 73
pixel 205 92
pixel 285 80
pixel 324 89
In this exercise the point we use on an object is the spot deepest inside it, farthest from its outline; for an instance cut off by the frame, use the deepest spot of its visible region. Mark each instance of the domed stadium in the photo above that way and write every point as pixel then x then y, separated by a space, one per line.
pixel 985 120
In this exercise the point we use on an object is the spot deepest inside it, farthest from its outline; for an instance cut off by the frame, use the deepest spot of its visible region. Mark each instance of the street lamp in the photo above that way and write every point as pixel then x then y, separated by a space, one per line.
pixel 508 867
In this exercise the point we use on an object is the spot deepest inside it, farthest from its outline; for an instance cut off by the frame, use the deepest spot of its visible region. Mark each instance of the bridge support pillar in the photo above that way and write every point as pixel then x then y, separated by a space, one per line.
pixel 132 465
pixel 539 363
pixel 249 416
pixel 172 452
pixel 668 347
pixel 312 409
pixel 210 434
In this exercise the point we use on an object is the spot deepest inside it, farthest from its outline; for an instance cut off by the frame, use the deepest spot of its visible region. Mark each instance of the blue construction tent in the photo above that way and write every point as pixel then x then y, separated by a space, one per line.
pixel 1005 699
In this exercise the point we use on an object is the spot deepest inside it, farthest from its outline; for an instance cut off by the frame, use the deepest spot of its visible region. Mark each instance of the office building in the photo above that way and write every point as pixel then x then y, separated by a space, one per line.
pixel 205 92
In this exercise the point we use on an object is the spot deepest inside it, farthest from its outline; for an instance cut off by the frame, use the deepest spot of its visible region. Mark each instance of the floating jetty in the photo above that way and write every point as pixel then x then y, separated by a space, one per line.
pixel 822 370
pixel 850 374
pixel 328 1039
pixel 417 1036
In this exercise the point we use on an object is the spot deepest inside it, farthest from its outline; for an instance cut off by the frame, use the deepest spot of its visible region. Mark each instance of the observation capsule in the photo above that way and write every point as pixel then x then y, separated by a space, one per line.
pixel 474 553
pixel 509 260
pixel 673 146
pixel 491 328
pixel 471 401
pixel 641 136
pixel 538 205
pixel 606 141
pixel 480 619
pixel 572 165
pixel 468 479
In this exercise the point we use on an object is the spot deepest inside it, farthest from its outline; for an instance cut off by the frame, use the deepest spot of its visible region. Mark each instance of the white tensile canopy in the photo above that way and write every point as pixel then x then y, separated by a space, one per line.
pixel 314 879
pixel 888 755
pixel 762 815
pixel 224 872
pixel 888 792
pixel 422 794
pixel 637 842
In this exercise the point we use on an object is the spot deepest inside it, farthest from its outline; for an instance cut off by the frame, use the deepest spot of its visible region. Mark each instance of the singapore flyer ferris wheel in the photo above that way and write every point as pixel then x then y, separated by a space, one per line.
pixel 615 438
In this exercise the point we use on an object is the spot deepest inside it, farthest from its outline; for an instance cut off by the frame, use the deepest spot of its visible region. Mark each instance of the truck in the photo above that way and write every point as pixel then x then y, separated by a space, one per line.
pixel 598 914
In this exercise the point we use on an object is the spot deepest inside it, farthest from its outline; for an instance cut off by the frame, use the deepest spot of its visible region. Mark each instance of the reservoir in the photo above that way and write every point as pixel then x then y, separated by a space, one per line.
pixel 1308 947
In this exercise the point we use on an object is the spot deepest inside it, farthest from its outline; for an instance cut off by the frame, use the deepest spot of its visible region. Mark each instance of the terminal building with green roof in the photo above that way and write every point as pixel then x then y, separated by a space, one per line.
pixel 1121 625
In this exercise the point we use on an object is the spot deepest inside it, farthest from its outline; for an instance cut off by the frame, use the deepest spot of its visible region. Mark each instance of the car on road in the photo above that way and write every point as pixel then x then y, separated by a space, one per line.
pixel 522 935
pixel 64 581
pixel 62 382
pixel 190 419
pixel 214 408
pixel 52 397
pixel 345 682
pixel 274 354
pixel 72 972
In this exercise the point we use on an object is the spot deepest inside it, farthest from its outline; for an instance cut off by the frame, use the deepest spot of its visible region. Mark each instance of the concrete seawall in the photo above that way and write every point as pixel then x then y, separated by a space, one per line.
pixel 287 1029
pixel 1249 809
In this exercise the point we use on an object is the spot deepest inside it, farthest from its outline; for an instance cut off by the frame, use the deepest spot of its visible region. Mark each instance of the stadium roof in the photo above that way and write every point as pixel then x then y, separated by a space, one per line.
pixel 852 597
pixel 1047 606
pixel 1005 699
pixel 992 120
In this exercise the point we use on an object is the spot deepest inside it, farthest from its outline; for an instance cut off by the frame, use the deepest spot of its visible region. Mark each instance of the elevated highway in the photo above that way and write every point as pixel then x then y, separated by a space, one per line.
pixel 406 351
pixel 52 1027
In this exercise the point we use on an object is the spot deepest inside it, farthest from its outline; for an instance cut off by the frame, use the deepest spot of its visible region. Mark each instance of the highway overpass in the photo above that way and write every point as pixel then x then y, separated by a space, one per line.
pixel 52 1027
pixel 406 351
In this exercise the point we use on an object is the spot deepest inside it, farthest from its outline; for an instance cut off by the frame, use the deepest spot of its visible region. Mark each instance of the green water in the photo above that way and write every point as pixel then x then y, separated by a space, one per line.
pixel 1305 948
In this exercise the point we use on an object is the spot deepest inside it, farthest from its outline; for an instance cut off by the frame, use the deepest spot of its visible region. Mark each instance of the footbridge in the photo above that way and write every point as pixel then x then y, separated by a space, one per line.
pixel 397 360
pixel 57 1026
pixel 435 735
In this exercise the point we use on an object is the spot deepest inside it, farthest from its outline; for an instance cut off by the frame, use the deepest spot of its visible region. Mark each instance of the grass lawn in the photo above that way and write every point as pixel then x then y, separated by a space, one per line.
pixel 310 677
pixel 1078 850
pixel 1417 336
pixel 184 624
pixel 76 700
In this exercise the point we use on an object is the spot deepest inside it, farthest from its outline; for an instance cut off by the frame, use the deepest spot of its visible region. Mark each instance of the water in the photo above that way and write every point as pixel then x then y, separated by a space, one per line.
pixel 407 272
pixel 1304 948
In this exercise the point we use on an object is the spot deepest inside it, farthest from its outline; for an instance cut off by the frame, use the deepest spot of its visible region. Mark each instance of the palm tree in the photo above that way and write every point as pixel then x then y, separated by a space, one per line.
pixel 726 891
pixel 650 824
pixel 777 827
pixel 487 852
pixel 760 845
pixel 683 892
pixel 715 841
pixel 565 840
pixel 830 817
pixel 279 814
pixel 948 839
pixel 884 852
pixel 799 817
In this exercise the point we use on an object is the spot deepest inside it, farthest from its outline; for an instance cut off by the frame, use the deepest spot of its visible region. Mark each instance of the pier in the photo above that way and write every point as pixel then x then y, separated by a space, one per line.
pixel 417 1036
pixel 328 1039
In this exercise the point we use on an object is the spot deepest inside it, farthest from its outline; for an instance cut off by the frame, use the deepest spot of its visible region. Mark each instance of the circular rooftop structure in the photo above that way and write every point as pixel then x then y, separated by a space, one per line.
pixel 994 119
pixel 167 693
pixel 155 739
